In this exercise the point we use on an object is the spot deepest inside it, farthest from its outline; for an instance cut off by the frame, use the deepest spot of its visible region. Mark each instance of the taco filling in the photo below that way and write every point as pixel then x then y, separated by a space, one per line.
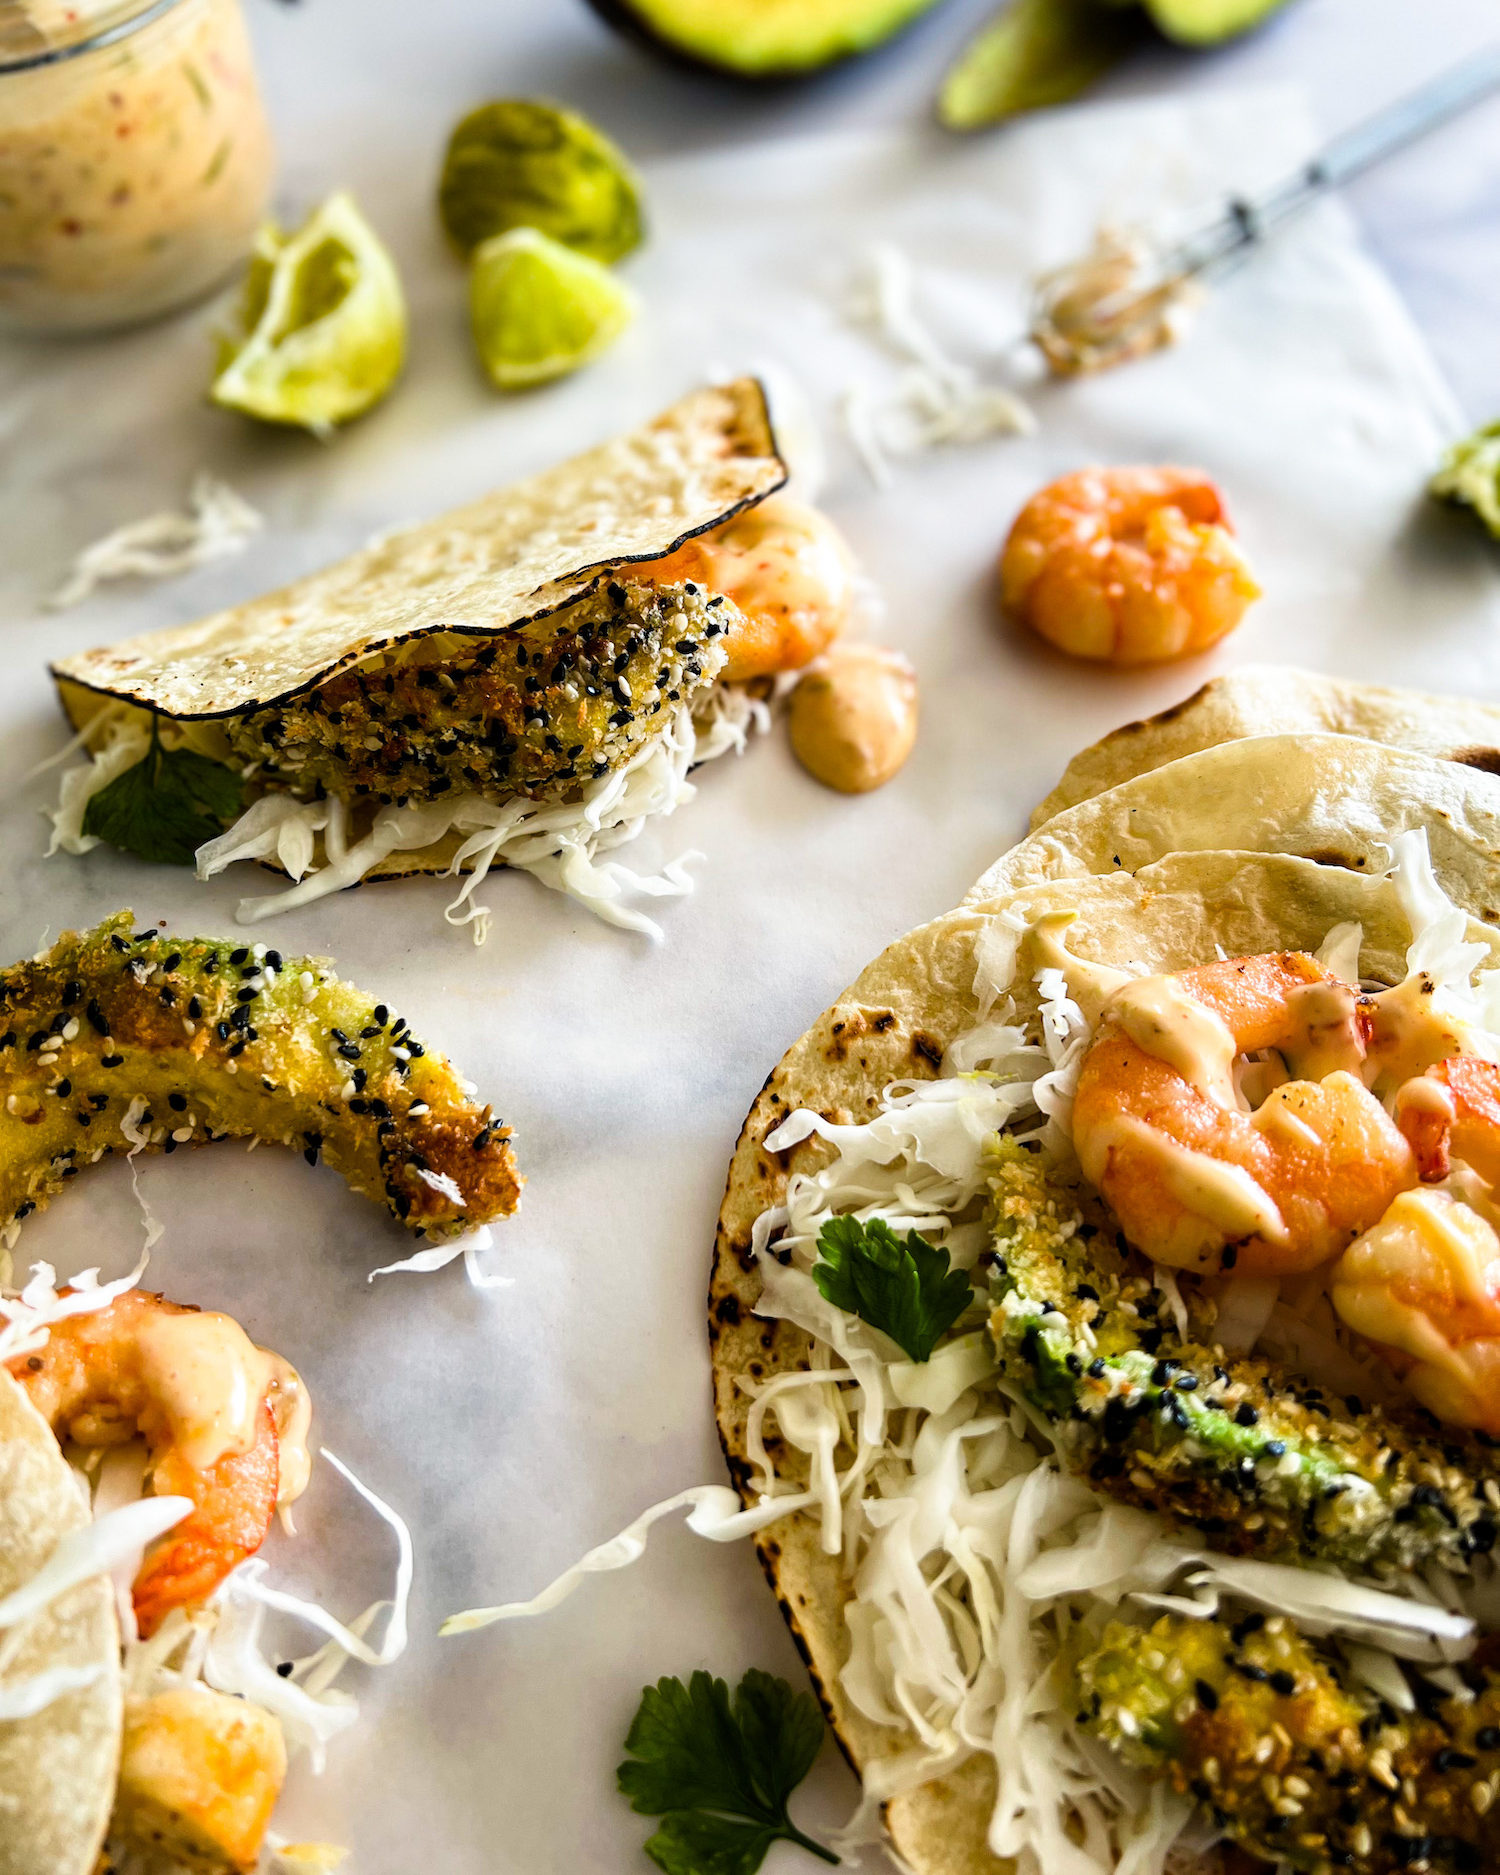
pixel 146 1726
pixel 526 681
pixel 1104 1317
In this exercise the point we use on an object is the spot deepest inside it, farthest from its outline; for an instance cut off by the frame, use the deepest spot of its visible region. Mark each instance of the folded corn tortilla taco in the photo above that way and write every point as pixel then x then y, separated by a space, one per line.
pixel 140 1717
pixel 59 1763
pixel 1277 699
pixel 996 1523
pixel 523 681
pixel 1338 799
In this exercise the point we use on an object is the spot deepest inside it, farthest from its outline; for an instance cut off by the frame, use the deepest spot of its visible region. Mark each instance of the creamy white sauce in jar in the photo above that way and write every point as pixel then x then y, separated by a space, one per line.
pixel 135 158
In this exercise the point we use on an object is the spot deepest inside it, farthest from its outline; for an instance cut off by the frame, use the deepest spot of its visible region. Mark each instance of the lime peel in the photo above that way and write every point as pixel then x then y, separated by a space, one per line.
pixel 322 323
pixel 539 310
pixel 522 162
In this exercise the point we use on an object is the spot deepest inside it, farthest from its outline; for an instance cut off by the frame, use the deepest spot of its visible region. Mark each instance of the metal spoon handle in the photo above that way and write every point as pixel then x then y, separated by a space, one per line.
pixel 1250 218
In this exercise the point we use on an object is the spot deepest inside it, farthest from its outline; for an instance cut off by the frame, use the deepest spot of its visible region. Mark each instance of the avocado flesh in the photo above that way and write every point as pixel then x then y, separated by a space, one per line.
pixel 1209 22
pixel 118 1041
pixel 1246 1714
pixel 762 38
pixel 1254 1456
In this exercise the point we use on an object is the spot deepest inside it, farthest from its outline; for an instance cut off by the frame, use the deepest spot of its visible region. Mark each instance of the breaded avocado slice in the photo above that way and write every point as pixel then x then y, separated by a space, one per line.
pixel 1256 1457
pixel 117 1041
pixel 1254 1721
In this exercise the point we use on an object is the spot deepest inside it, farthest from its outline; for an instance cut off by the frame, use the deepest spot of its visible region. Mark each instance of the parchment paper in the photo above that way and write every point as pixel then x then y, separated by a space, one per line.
pixel 518 1428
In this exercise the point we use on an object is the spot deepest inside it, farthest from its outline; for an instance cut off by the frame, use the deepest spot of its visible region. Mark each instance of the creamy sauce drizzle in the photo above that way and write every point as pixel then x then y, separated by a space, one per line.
pixel 1164 1020
pixel 1090 985
pixel 1223 1195
pixel 209 1379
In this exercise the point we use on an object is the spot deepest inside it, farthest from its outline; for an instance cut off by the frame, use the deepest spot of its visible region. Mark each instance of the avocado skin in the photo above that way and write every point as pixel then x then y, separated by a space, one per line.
pixel 1209 22
pixel 632 19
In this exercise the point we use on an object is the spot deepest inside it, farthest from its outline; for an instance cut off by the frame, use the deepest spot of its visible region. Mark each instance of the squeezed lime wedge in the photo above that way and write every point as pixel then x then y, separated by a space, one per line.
pixel 322 323
pixel 539 310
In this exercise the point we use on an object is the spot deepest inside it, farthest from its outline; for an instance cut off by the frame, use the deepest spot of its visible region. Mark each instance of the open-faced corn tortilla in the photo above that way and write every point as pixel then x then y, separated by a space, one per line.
pixel 1270 699
pixel 894 1023
pixel 1333 798
pixel 57 1768
pixel 508 558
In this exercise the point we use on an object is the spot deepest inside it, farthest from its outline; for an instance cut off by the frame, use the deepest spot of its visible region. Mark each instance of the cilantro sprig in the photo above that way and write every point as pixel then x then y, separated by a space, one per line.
pixel 167 805
pixel 905 1289
pixel 719 1771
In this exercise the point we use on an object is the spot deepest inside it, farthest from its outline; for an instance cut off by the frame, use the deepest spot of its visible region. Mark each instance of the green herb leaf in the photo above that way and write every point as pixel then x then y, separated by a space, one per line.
pixel 905 1289
pixel 720 1772
pixel 165 807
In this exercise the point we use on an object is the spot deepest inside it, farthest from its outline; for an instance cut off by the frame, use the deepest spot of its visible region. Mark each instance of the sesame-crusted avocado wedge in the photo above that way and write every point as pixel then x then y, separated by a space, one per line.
pixel 1254 1721
pixel 1258 1459
pixel 561 700
pixel 113 1041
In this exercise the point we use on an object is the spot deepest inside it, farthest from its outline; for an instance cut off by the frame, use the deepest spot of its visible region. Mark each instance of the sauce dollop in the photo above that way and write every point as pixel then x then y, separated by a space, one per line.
pixel 853 717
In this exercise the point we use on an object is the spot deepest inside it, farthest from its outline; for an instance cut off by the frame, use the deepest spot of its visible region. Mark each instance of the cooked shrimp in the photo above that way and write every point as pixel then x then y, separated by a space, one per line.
pixel 1196 1179
pixel 1424 1286
pixel 789 572
pixel 1126 566
pixel 216 1413
pixel 1452 1111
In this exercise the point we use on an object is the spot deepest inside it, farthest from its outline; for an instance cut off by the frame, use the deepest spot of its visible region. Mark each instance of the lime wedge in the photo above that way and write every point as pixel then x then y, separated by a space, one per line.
pixel 540 311
pixel 525 163
pixel 322 323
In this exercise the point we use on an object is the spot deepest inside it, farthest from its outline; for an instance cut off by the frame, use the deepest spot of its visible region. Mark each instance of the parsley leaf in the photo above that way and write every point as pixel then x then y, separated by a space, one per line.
pixel 167 805
pixel 719 1772
pixel 905 1290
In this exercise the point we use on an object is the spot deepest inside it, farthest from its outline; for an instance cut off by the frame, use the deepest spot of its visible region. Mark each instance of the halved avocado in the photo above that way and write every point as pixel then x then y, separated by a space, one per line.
pixel 1208 22
pixel 761 38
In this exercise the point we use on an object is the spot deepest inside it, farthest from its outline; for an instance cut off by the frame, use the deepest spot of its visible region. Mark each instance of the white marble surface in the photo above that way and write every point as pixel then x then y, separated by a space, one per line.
pixel 519 1429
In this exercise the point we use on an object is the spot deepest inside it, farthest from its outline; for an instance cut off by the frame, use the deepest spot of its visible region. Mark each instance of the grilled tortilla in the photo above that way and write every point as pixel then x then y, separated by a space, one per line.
pixel 57 1768
pixel 1272 699
pixel 502 648
pixel 893 1024
pixel 1338 799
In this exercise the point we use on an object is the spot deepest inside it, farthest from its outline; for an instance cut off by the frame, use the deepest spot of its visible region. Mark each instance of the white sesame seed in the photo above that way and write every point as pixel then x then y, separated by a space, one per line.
pixel 348 1091
pixel 189 1027
pixel 70 1032
pixel 1361 1841
pixel 183 1134
pixel 402 1054
pixel 12 1105
pixel 417 1109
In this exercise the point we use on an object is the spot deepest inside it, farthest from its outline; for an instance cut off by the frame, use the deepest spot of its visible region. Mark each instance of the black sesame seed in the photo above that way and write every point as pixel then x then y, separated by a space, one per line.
pixel 1207 1697
pixel 273 959
pixel 382 1014
pixel 239 956
pixel 64 1087
pixel 98 1102
pixel 195 1008
pixel 1245 1414
pixel 1283 1683
pixel 171 963
pixel 72 990
pixel 349 1051
pixel 177 1102
pixel 111 1061
pixel 246 995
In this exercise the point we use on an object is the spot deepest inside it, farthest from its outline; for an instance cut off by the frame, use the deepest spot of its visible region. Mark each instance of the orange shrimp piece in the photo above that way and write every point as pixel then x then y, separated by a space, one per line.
pixel 1423 1286
pixel 200 1394
pixel 1452 1111
pixel 1127 565
pixel 1198 1179
pixel 786 568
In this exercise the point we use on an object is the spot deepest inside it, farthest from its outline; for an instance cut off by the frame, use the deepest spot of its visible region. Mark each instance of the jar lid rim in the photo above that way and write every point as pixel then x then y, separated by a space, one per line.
pixel 24 46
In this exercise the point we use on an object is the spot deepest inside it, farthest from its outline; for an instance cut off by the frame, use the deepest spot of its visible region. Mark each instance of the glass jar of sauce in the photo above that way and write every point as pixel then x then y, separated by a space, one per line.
pixel 135 159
